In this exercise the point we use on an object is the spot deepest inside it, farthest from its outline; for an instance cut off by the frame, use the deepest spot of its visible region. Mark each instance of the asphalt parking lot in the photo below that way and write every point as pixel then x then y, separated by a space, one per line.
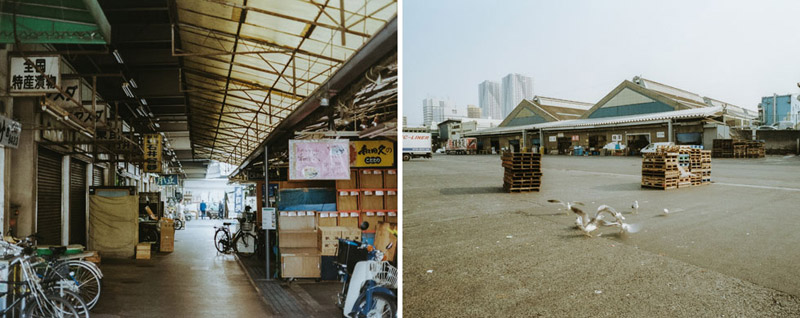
pixel 726 249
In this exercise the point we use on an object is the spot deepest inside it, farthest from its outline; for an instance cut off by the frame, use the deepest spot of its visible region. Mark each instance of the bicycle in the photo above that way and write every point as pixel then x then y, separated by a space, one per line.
pixel 243 242
pixel 35 300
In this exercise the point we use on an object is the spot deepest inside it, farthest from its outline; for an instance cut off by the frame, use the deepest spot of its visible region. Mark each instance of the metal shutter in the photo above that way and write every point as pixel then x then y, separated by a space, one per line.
pixel 97 176
pixel 77 202
pixel 48 197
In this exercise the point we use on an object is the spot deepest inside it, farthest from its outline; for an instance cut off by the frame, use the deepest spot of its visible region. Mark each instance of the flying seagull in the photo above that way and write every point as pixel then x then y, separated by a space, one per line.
pixel 567 205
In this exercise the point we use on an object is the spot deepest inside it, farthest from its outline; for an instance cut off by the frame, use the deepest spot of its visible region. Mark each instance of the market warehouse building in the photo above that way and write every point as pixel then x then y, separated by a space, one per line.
pixel 149 96
pixel 635 114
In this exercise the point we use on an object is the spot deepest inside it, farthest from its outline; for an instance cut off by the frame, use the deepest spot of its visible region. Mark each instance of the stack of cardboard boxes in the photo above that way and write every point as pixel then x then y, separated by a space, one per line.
pixel 297 240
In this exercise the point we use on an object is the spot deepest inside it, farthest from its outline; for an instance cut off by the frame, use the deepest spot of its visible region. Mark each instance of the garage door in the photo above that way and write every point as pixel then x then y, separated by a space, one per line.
pixel 48 197
pixel 77 202
pixel 97 176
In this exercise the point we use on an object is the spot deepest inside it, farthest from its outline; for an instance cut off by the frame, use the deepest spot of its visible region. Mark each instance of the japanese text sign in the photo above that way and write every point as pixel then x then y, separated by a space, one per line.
pixel 24 79
pixel 9 132
pixel 152 153
pixel 374 153
pixel 319 159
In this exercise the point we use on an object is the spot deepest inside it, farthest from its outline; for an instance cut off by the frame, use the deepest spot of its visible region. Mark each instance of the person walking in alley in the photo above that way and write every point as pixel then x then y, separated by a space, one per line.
pixel 221 210
pixel 203 207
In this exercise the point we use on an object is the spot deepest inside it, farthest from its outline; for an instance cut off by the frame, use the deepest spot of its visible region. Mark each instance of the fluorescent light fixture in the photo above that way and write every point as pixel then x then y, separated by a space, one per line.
pixel 144 101
pixel 117 56
pixel 157 125
pixel 133 83
pixel 323 102
pixel 126 88
pixel 151 114
pixel 140 110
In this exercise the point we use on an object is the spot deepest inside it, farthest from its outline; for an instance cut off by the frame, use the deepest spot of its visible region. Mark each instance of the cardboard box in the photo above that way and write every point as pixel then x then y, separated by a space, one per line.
pixel 327 219
pixel 143 250
pixel 372 218
pixel 390 200
pixel 95 258
pixel 347 200
pixel 349 219
pixel 297 239
pixel 297 220
pixel 352 183
pixel 370 179
pixel 328 240
pixel 390 179
pixel 372 200
pixel 167 239
pixel 300 263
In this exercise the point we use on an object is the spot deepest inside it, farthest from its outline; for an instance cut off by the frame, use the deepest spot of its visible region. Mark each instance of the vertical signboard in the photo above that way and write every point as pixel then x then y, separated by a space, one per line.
pixel 373 153
pixel 24 79
pixel 152 153
pixel 238 200
pixel 9 132
pixel 268 219
pixel 319 159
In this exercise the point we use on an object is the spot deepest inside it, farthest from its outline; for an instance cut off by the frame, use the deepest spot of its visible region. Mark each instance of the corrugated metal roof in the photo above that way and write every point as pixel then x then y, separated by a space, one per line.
pixel 562 103
pixel 247 64
pixel 687 98
pixel 608 121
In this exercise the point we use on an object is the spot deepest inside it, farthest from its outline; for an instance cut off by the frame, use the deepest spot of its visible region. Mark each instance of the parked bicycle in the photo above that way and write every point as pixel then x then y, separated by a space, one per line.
pixel 29 294
pixel 243 242
pixel 369 286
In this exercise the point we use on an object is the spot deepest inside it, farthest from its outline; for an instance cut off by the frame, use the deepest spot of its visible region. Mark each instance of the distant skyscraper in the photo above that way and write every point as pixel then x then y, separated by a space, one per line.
pixel 489 99
pixel 473 111
pixel 516 87
pixel 405 121
pixel 432 111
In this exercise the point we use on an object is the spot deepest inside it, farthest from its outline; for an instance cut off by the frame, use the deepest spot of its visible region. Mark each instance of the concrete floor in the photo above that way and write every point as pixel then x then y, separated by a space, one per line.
pixel 193 281
pixel 728 249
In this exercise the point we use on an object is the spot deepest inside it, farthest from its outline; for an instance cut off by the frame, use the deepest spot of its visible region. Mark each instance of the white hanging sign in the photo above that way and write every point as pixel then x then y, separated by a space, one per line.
pixel 24 79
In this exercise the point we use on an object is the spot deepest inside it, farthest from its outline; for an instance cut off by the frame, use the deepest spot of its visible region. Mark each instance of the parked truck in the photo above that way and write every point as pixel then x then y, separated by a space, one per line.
pixel 462 146
pixel 416 145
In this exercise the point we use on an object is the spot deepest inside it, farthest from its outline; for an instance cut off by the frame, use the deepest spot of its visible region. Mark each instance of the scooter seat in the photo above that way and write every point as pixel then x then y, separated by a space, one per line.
pixel 227 223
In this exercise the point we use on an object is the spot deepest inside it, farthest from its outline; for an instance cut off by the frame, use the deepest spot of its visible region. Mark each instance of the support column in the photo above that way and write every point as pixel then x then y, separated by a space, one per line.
pixel 266 204
pixel 669 130
pixel 89 182
pixel 65 200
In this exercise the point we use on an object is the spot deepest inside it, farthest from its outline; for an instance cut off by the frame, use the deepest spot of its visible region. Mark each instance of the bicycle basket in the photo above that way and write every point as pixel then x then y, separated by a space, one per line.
pixel 245 226
pixel 383 274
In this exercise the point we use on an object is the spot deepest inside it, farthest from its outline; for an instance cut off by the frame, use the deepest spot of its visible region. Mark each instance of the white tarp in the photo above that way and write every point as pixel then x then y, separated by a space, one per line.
pixel 113 225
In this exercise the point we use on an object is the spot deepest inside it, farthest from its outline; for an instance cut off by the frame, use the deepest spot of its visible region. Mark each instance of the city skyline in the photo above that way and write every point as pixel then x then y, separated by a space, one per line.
pixel 575 52
pixel 515 87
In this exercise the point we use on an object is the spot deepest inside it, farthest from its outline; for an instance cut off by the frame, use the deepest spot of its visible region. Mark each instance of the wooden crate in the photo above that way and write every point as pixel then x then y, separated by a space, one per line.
pixel 352 183
pixel 143 250
pixel 390 200
pixel 372 200
pixel 370 179
pixel 300 263
pixel 327 219
pixel 349 219
pixel 347 200
pixel 373 218
pixel 390 179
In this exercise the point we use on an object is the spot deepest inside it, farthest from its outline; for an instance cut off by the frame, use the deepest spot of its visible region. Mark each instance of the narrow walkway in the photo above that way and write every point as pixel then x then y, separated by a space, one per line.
pixel 193 281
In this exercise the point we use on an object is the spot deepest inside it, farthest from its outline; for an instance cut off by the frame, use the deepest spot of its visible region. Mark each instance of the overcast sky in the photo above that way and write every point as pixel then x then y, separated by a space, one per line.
pixel 734 51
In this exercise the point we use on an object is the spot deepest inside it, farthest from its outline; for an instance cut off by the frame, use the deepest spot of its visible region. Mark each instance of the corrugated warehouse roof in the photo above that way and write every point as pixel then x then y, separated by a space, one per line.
pixel 247 64
pixel 608 121
pixel 562 109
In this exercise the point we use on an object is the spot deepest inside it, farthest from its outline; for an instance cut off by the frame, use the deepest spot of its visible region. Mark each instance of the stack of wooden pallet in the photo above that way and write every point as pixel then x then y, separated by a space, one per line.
pixel 684 166
pixel 660 169
pixel 748 149
pixel 523 171
pixel 705 166
pixel 723 148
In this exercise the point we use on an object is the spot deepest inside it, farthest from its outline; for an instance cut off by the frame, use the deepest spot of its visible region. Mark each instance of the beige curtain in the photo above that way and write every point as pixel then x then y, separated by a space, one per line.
pixel 113 225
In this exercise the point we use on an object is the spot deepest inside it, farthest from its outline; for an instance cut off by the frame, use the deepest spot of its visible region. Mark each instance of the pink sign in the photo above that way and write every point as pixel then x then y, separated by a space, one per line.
pixel 319 159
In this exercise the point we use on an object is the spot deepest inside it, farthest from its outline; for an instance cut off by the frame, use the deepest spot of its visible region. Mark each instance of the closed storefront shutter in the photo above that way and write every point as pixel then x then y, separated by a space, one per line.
pixel 48 197
pixel 97 176
pixel 77 202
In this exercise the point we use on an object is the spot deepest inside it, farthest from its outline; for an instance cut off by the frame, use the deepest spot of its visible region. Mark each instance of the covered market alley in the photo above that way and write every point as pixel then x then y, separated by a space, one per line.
pixel 131 130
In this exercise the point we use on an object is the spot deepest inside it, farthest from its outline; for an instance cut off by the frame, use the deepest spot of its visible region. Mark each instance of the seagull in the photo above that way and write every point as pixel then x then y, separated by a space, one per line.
pixel 568 205
pixel 666 212
pixel 590 225
pixel 635 207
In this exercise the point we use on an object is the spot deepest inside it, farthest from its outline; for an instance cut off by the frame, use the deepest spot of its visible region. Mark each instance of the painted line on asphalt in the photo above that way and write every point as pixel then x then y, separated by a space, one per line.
pixel 757 186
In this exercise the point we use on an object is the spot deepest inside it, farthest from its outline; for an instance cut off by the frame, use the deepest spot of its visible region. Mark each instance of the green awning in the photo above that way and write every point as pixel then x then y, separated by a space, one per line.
pixel 54 21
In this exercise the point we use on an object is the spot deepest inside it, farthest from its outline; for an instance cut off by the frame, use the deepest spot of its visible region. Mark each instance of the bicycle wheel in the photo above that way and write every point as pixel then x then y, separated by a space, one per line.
pixel 74 299
pixel 382 306
pixel 221 240
pixel 179 224
pixel 85 279
pixel 245 244
pixel 50 307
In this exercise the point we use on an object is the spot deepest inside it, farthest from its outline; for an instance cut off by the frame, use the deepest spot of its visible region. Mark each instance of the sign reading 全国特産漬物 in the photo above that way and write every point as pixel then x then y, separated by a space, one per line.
pixel 9 132
pixel 25 77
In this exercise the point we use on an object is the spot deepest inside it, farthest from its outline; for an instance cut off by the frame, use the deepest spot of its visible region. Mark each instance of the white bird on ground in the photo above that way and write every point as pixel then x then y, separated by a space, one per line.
pixel 635 207
pixel 566 204
pixel 666 212
pixel 588 225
